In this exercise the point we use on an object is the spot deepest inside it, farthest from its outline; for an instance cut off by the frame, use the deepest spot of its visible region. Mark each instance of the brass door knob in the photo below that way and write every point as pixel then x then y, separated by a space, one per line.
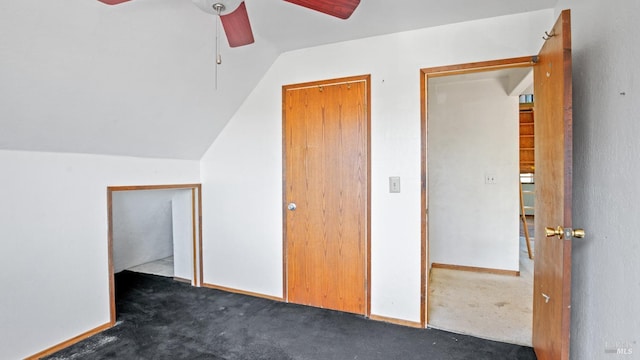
pixel 550 232
pixel 578 233
pixel 564 232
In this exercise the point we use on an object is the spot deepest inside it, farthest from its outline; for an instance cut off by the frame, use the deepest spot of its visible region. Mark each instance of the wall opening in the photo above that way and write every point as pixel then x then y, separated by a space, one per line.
pixel 155 229
pixel 473 226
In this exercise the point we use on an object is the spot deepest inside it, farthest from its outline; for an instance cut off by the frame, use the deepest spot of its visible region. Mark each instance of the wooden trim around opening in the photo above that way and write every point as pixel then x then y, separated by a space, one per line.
pixel 69 342
pixel 475 269
pixel 242 292
pixel 194 238
pixel 112 283
pixel 154 187
pixel 200 256
pixel 425 74
pixel 468 68
pixel 424 203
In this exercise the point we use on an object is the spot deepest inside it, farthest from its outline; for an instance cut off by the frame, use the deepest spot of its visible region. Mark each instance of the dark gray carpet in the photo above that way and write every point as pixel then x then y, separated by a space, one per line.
pixel 159 318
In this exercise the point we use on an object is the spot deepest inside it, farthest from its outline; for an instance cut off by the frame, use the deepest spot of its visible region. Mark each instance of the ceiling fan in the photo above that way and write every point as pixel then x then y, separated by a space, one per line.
pixel 235 19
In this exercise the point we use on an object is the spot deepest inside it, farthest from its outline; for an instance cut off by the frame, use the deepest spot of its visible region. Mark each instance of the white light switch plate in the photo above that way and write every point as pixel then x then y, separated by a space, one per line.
pixel 394 184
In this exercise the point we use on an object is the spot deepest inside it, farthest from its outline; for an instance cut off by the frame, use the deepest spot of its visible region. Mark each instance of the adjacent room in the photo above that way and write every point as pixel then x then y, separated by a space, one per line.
pixel 154 231
pixel 480 273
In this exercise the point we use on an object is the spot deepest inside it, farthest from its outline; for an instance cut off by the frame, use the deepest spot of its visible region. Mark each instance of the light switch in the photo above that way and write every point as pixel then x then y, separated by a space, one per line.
pixel 394 184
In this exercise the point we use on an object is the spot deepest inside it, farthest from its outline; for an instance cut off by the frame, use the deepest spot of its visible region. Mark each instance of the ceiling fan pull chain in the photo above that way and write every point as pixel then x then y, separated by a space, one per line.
pixel 218 8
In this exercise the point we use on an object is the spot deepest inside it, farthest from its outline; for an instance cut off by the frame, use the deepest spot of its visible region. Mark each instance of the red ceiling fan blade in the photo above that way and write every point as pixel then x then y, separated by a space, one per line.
pixel 113 2
pixel 339 8
pixel 237 27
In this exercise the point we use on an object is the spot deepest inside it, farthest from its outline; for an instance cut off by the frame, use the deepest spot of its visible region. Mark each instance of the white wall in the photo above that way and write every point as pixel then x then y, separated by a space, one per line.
pixel 142 227
pixel 472 133
pixel 242 171
pixel 182 218
pixel 606 282
pixel 53 225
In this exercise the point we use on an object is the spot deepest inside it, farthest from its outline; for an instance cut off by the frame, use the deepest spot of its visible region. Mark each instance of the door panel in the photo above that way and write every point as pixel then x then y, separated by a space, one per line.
pixel 326 146
pixel 553 154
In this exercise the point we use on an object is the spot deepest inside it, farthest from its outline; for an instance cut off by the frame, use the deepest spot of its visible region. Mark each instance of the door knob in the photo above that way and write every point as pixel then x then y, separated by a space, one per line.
pixel 568 233
pixel 291 206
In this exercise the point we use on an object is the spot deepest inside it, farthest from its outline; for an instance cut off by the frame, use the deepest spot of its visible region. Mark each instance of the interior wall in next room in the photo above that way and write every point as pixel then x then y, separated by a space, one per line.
pixel 473 174
pixel 144 228
pixel 182 211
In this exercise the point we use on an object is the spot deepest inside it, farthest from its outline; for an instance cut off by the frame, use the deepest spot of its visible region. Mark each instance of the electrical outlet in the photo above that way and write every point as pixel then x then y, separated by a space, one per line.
pixel 490 179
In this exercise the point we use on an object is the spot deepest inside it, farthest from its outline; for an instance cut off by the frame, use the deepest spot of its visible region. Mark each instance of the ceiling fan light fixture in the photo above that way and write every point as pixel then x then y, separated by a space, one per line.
pixel 209 6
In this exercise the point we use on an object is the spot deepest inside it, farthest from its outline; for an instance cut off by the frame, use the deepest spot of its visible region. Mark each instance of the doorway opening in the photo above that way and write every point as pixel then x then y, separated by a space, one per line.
pixel 155 229
pixel 476 279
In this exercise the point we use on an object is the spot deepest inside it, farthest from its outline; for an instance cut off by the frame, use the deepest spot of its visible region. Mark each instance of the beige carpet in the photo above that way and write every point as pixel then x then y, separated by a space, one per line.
pixel 495 307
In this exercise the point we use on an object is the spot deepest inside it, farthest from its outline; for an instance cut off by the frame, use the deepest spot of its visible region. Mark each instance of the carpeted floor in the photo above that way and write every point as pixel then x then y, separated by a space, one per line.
pixel 159 318
pixel 490 306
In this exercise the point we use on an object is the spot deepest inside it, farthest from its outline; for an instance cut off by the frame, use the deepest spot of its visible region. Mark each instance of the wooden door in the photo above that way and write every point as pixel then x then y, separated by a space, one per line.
pixel 326 176
pixel 553 153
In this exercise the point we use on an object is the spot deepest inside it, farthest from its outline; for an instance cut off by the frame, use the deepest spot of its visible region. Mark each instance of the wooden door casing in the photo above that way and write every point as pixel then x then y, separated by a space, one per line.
pixel 553 153
pixel 425 75
pixel 326 174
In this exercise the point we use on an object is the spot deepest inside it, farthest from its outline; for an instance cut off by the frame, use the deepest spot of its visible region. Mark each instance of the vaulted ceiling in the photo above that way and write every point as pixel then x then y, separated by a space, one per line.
pixel 139 78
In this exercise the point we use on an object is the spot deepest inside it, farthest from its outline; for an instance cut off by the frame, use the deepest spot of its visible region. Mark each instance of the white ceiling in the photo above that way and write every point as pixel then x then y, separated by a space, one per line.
pixel 515 81
pixel 138 79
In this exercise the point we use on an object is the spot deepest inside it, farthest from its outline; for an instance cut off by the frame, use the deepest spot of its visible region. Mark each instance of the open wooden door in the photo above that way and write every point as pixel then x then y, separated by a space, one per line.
pixel 553 154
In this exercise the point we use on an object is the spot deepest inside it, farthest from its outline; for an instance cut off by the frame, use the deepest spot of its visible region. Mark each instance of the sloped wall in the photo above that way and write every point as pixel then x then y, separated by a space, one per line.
pixel 242 170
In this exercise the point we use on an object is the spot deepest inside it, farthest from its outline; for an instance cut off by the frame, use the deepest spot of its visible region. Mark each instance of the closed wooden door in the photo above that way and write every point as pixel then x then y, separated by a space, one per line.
pixel 553 153
pixel 326 193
